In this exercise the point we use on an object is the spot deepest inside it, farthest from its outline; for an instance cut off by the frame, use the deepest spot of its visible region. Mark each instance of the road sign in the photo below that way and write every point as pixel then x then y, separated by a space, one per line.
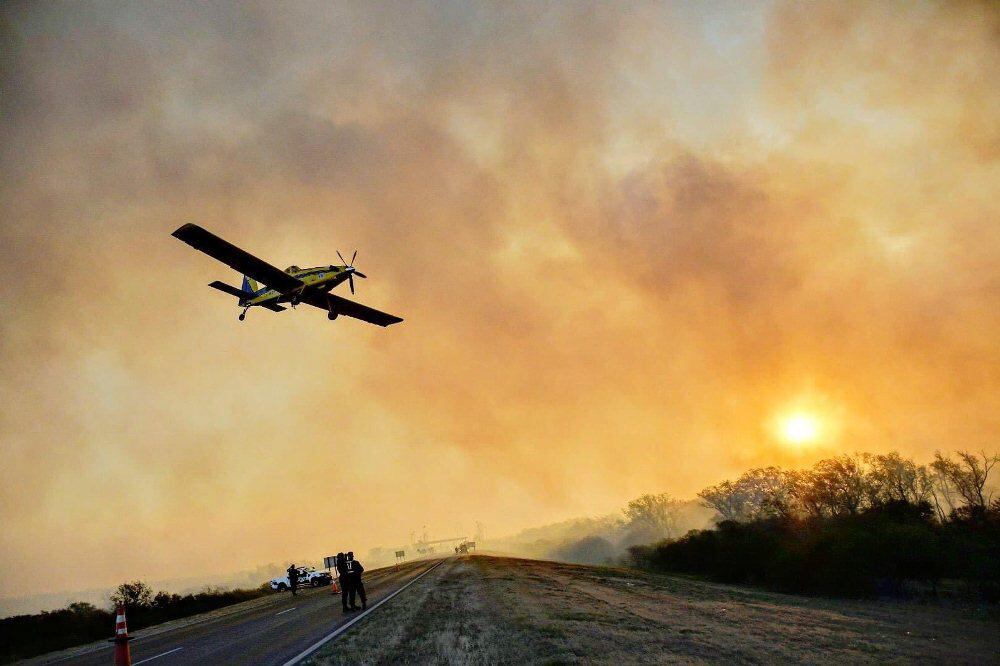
pixel 330 562
pixel 400 553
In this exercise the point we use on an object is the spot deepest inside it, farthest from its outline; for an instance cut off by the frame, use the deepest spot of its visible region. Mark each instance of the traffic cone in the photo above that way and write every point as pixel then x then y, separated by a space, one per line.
pixel 123 655
pixel 335 585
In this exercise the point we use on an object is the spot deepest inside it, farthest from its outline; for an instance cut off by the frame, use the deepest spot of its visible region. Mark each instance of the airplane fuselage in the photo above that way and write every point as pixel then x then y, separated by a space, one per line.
pixel 320 278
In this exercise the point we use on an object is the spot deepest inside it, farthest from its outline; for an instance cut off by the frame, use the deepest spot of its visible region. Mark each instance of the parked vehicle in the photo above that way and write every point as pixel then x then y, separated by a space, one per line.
pixel 308 577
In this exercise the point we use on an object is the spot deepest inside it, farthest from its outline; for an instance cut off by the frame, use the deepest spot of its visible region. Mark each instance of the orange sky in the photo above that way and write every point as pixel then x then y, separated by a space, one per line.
pixel 625 240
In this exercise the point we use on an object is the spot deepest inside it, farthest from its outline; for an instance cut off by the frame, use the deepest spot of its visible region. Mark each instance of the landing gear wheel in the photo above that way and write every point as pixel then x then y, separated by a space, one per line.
pixel 331 315
pixel 243 315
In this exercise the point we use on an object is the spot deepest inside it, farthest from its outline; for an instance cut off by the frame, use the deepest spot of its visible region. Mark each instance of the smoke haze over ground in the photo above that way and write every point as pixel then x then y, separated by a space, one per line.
pixel 624 239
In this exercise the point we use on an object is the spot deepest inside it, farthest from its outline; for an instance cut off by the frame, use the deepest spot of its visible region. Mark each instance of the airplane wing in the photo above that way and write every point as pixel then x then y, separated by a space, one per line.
pixel 349 308
pixel 273 307
pixel 229 289
pixel 237 259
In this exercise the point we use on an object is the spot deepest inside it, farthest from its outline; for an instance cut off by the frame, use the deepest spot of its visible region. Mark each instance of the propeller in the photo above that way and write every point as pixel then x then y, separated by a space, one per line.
pixel 351 270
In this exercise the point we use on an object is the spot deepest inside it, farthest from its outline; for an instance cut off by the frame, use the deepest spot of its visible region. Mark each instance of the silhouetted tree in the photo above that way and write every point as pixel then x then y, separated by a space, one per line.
pixel 655 512
pixel 134 595
pixel 838 486
pixel 764 492
pixel 726 498
pixel 82 608
pixel 967 476
pixel 768 492
pixel 842 486
pixel 892 478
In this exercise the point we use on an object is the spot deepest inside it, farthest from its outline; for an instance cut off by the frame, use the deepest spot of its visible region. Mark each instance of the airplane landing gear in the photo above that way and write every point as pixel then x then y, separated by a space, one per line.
pixel 243 315
pixel 331 315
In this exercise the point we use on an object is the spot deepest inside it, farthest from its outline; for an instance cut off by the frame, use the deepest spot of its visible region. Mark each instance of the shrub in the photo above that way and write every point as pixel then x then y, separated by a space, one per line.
pixel 24 636
pixel 589 550
pixel 873 552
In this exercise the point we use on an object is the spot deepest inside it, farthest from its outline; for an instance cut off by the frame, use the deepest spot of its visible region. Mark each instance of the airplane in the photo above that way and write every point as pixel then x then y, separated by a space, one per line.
pixel 267 286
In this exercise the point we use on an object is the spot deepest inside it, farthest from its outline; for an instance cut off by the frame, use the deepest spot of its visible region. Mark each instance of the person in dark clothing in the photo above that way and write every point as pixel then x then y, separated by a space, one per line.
pixel 358 586
pixel 345 580
pixel 293 579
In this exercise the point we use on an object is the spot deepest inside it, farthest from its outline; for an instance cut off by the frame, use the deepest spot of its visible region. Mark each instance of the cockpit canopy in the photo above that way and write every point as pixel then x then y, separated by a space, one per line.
pixel 292 269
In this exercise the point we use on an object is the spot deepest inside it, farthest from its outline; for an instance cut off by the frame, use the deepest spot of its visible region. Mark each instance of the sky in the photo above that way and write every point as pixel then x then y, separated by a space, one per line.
pixel 631 243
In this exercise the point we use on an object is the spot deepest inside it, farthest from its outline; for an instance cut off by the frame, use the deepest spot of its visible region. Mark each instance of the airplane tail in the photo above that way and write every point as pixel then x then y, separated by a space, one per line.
pixel 250 285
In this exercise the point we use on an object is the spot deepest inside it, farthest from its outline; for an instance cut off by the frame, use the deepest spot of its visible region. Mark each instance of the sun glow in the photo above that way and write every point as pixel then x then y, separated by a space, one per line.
pixel 799 429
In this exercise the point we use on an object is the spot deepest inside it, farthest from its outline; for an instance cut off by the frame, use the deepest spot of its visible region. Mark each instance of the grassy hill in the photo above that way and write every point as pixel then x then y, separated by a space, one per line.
pixel 484 609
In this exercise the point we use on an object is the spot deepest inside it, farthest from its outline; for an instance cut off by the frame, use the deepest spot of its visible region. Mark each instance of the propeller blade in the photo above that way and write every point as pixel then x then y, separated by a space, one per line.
pixel 360 274
pixel 350 280
pixel 341 257
pixel 354 257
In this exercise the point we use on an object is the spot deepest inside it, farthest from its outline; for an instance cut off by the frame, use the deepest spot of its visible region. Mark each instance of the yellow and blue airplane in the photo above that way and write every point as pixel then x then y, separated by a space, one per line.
pixel 267 286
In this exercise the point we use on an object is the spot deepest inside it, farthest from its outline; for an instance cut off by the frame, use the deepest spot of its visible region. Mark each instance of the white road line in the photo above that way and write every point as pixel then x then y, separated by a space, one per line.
pixel 344 627
pixel 285 611
pixel 162 654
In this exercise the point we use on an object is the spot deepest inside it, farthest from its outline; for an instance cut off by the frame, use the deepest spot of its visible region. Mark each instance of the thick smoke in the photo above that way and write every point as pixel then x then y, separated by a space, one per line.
pixel 622 237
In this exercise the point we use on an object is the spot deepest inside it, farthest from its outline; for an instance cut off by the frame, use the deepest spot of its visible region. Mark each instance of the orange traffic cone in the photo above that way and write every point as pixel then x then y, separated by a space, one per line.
pixel 335 585
pixel 123 655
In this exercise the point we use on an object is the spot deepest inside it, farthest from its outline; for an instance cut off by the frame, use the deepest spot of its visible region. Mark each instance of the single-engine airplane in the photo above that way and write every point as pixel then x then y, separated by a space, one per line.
pixel 293 285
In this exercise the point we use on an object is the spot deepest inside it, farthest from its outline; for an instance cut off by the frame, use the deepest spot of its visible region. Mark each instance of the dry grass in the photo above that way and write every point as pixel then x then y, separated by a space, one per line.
pixel 446 617
pixel 480 609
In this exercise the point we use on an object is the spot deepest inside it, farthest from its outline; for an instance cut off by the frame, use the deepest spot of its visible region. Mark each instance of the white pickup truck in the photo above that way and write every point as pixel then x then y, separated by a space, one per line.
pixel 308 577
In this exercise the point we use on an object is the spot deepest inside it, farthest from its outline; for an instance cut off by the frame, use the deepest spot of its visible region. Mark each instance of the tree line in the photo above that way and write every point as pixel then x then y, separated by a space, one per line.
pixel 24 636
pixel 851 525
pixel 851 484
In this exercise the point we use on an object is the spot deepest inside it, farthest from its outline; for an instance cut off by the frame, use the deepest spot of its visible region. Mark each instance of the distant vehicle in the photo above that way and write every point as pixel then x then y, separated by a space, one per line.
pixel 308 577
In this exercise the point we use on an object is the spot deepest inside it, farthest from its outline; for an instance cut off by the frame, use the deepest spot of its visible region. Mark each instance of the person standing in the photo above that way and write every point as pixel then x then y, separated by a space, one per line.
pixel 293 579
pixel 358 585
pixel 345 580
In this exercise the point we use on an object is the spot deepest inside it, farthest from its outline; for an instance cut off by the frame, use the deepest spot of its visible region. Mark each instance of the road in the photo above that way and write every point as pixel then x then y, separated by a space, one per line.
pixel 268 633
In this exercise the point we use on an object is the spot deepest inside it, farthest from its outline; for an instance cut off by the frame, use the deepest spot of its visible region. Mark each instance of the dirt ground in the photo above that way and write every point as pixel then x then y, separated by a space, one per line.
pixel 483 609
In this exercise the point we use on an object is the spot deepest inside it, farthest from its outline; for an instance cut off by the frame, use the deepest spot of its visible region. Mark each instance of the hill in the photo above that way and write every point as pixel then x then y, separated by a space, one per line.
pixel 484 609
pixel 601 539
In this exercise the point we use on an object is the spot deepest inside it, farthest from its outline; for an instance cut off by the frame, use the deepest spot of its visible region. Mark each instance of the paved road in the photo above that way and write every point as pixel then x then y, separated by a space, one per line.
pixel 271 633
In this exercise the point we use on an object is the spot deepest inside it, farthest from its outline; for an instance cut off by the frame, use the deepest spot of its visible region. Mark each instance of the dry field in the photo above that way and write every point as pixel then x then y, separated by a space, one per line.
pixel 488 610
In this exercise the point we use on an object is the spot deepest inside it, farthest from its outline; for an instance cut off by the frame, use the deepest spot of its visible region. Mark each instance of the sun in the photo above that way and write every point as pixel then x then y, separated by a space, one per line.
pixel 799 428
